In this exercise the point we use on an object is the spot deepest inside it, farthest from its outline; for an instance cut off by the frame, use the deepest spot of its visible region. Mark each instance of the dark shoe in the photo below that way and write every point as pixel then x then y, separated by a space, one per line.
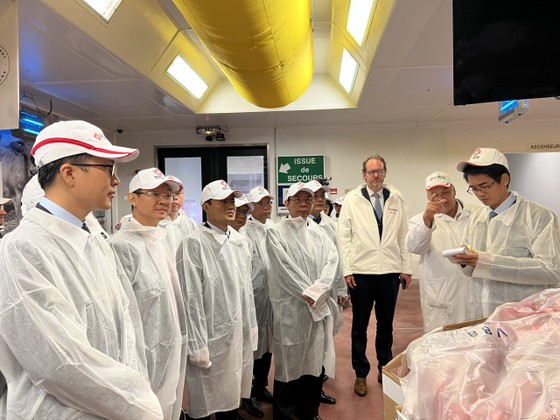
pixel 264 395
pixel 252 407
pixel 360 386
pixel 379 377
pixel 327 399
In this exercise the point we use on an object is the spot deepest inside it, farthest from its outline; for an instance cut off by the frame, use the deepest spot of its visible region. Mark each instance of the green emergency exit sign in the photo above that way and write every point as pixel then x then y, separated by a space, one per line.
pixel 293 169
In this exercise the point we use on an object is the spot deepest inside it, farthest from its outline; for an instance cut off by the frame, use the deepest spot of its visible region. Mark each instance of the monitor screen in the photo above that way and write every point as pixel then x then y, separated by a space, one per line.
pixel 505 50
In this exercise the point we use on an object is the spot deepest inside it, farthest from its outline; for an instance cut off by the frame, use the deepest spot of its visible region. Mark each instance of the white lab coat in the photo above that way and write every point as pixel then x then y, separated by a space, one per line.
pixel 339 288
pixel 303 261
pixel 518 254
pixel 178 229
pixel 444 289
pixel 145 257
pixel 70 331
pixel 215 274
pixel 358 236
pixel 255 232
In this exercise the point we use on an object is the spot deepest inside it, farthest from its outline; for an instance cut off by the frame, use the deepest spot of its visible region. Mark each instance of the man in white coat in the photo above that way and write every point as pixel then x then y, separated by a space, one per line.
pixel 372 229
pixel 443 287
pixel 515 243
pixel 214 265
pixel 303 265
pixel 149 265
pixel 255 232
pixel 178 225
pixel 71 342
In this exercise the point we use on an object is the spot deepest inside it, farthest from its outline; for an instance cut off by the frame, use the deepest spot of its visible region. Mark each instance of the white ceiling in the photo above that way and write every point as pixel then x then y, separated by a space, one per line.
pixel 410 81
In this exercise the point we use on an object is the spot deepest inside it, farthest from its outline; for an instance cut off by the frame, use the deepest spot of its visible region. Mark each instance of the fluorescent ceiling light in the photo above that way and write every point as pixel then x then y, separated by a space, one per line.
pixel 105 8
pixel 348 69
pixel 187 77
pixel 358 19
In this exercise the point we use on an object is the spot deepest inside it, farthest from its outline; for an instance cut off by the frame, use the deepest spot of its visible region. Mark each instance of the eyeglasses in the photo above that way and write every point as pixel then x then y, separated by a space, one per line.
pixel 243 212
pixel 374 171
pixel 263 203
pixel 156 195
pixel 480 188
pixel 296 199
pixel 109 167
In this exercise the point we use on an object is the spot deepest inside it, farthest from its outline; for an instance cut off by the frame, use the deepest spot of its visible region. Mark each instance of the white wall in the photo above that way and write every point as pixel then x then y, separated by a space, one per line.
pixel 411 153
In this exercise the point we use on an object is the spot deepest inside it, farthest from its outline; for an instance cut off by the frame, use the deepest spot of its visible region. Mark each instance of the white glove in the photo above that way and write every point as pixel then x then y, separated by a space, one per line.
pixel 201 359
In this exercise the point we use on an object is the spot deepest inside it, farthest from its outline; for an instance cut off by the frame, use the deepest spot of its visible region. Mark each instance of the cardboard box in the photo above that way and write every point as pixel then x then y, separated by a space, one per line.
pixel 397 368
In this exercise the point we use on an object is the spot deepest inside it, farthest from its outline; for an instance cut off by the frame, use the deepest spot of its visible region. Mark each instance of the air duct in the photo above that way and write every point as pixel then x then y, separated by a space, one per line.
pixel 264 47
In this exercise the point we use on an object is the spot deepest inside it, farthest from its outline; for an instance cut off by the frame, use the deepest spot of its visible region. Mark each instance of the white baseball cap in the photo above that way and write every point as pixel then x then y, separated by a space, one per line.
pixel 297 187
pixel 69 138
pixel 177 180
pixel 218 190
pixel 148 179
pixel 484 157
pixel 316 186
pixel 242 201
pixel 438 179
pixel 4 200
pixel 339 201
pixel 257 194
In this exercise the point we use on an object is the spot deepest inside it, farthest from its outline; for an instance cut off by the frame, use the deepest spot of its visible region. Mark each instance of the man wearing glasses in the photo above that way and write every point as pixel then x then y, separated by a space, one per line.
pixel 255 232
pixel 214 265
pixel 303 267
pixel 371 231
pixel 443 287
pixel 149 265
pixel 514 243
pixel 70 346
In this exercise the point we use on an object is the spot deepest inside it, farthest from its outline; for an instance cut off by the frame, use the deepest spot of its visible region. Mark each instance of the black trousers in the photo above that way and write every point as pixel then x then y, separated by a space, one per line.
pixel 261 369
pixel 300 397
pixel 379 292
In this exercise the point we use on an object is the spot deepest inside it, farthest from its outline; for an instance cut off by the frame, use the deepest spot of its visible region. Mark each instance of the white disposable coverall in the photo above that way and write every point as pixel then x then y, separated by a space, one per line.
pixel 255 232
pixel 339 288
pixel 518 254
pixel 215 274
pixel 444 289
pixel 178 229
pixel 145 257
pixel 70 333
pixel 303 261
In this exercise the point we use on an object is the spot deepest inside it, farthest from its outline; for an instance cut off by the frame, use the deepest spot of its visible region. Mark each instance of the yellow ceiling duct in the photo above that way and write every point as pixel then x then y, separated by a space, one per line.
pixel 264 47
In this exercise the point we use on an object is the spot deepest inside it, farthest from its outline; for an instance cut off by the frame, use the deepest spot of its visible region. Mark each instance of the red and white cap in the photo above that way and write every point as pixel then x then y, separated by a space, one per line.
pixel 69 138
pixel 484 157
pixel 243 201
pixel 316 186
pixel 297 187
pixel 148 179
pixel 257 194
pixel 438 179
pixel 218 190
pixel 177 180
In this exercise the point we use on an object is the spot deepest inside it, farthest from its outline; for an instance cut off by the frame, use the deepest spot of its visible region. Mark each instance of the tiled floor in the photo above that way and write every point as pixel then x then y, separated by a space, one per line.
pixel 407 327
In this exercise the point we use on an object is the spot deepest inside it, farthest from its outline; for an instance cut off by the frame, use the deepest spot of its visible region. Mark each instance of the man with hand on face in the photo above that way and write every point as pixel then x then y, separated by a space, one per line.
pixel 150 267
pixel 178 225
pixel 214 265
pixel 443 288
pixel 303 266
pixel 514 243
pixel 372 229
pixel 255 232
pixel 71 342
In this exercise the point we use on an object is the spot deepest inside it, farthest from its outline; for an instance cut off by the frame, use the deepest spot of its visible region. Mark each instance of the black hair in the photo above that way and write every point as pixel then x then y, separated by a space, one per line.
pixel 48 172
pixel 494 171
